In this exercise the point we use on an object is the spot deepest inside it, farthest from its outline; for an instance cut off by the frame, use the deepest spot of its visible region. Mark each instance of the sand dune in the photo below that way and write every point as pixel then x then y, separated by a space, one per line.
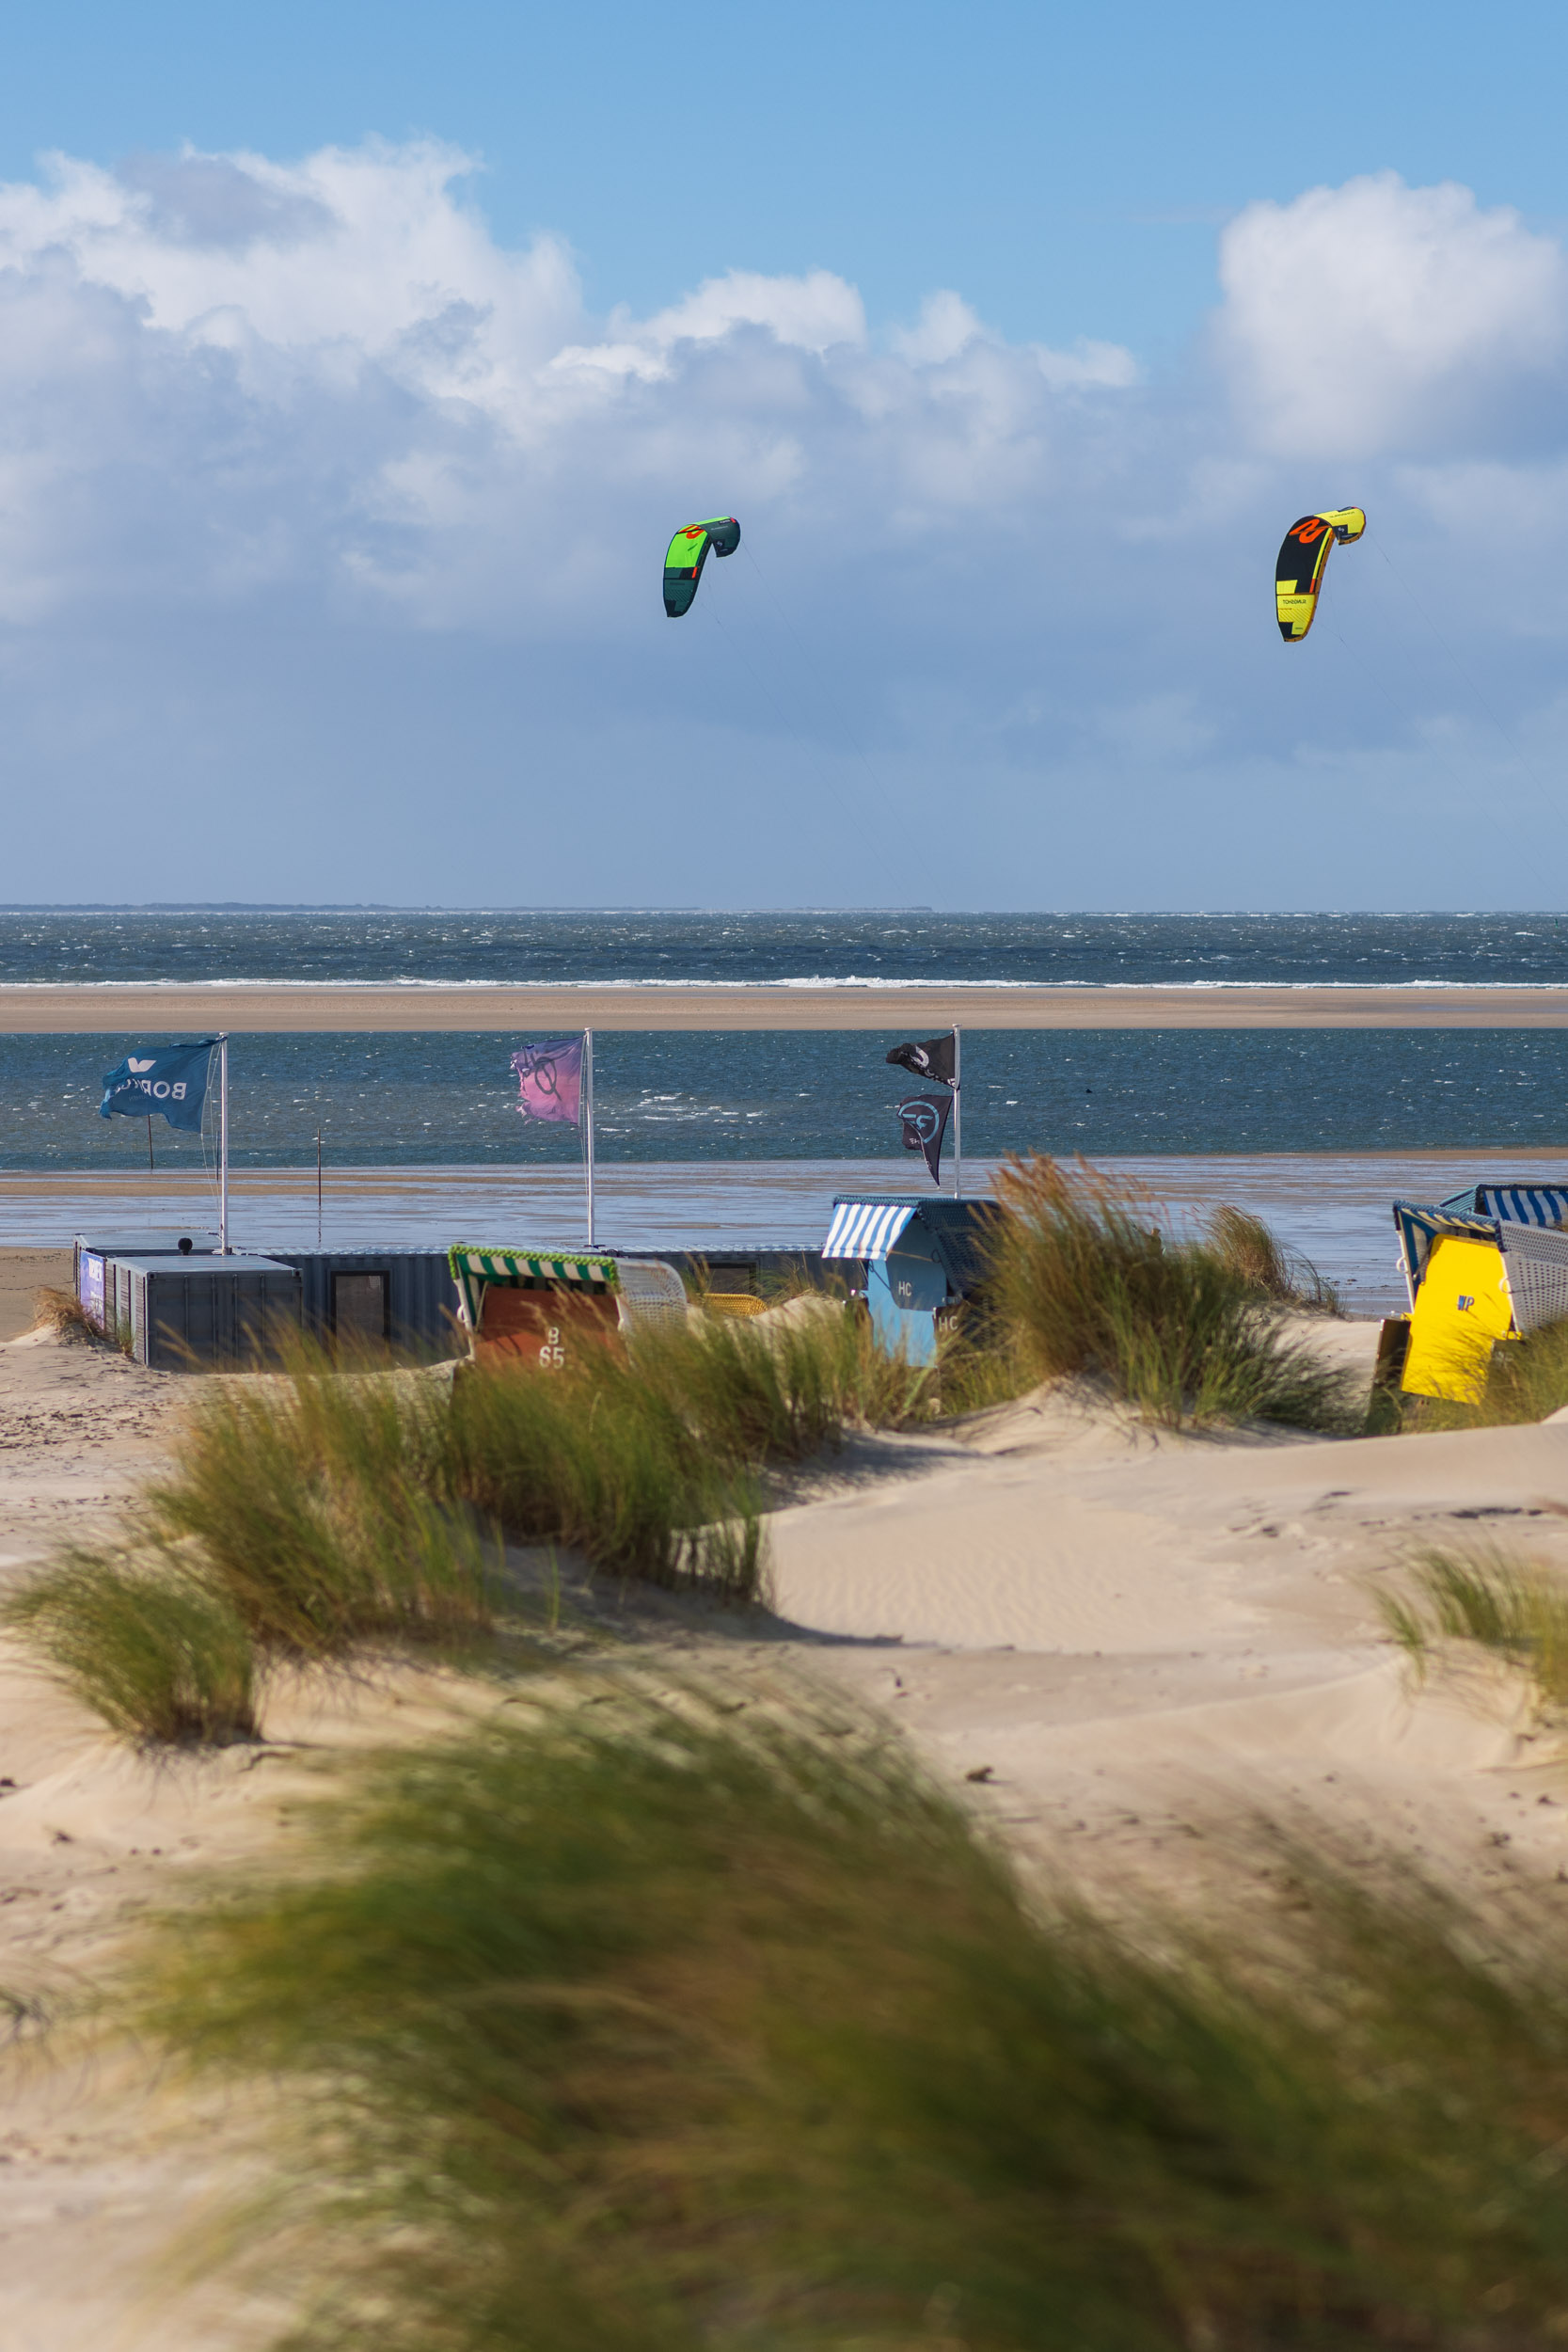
pixel 1132 1638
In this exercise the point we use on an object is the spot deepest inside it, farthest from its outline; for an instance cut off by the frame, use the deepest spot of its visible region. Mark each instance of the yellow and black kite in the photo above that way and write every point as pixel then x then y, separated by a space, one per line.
pixel 688 551
pixel 1298 576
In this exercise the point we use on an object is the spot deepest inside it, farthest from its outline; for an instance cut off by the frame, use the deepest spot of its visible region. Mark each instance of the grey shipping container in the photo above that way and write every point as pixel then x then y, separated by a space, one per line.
pixel 202 1315
pixel 403 1300
pixel 94 1250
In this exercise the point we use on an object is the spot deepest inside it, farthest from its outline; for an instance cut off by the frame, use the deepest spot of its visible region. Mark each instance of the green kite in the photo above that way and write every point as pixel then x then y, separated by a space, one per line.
pixel 688 551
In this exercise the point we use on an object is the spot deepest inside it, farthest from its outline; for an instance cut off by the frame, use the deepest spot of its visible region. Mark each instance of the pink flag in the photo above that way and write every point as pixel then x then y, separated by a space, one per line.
pixel 549 1079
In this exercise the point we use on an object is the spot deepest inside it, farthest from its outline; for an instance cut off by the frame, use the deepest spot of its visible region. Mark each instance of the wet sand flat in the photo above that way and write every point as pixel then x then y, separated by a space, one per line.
pixel 1333 1207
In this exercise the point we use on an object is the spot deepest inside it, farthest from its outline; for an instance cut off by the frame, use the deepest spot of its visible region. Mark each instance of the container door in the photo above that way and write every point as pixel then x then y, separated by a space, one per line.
pixel 172 1305
pixel 359 1312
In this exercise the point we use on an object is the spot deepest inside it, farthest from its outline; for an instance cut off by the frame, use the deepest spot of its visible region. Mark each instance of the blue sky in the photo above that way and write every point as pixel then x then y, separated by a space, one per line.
pixel 1064 166
pixel 355 361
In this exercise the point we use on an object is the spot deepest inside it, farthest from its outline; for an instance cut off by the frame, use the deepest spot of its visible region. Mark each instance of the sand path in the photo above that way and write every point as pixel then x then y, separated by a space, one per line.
pixel 1128 1636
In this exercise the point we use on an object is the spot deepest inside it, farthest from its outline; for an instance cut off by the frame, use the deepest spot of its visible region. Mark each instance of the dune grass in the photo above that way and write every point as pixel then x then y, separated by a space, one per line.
pixel 1258 1259
pixel 1082 1281
pixel 157 1654
pixel 1523 1381
pixel 328 1510
pixel 781 1390
pixel 312 1516
pixel 1528 1378
pixel 650 1464
pixel 1514 1612
pixel 600 1460
pixel 313 1506
pixel 303 1521
pixel 644 2024
pixel 61 1310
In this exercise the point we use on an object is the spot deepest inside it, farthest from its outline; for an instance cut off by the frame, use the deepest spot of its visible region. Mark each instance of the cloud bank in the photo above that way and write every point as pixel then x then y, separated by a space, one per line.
pixel 330 532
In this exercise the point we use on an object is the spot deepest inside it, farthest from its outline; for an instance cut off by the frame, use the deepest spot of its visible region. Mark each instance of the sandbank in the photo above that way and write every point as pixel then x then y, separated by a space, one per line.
pixel 113 1007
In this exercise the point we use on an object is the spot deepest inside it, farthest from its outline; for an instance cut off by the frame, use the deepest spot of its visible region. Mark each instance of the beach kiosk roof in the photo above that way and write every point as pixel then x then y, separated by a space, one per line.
pixel 870 1226
pixel 866 1229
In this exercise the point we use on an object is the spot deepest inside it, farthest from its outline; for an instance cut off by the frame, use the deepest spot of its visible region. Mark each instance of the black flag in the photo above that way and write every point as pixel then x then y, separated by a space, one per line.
pixel 924 1118
pixel 933 1057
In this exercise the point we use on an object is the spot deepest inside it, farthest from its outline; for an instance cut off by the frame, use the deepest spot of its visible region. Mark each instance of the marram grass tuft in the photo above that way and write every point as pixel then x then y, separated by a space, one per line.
pixel 156 1653
pixel 1512 1611
pixel 1082 1279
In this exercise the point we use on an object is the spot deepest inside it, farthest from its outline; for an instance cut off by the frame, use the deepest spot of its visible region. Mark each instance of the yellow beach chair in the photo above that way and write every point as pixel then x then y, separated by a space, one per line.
pixel 1473 1281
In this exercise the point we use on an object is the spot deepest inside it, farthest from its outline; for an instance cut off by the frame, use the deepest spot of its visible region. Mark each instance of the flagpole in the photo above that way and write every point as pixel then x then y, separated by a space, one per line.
pixel 223 1144
pixel 958 1117
pixel 588 1123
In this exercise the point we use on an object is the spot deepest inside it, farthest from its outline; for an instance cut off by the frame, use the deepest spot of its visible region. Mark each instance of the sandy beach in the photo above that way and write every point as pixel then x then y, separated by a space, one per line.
pixel 112 1008
pixel 1118 1643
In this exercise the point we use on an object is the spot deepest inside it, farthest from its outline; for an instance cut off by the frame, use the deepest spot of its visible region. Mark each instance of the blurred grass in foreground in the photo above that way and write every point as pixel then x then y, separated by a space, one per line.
pixel 641 2022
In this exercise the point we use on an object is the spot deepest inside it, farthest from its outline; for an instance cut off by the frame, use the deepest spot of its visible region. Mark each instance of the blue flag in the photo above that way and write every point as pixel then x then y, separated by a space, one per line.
pixel 172 1080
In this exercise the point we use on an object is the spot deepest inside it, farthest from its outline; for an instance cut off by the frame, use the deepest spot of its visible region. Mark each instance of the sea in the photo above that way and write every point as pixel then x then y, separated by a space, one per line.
pixel 1282 1109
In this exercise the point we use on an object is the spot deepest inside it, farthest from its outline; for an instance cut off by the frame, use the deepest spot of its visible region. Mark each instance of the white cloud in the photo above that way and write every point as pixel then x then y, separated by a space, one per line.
pixel 334 373
pixel 246 406
pixel 814 313
pixel 1376 316
pixel 1089 366
pixel 364 247
pixel 946 324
